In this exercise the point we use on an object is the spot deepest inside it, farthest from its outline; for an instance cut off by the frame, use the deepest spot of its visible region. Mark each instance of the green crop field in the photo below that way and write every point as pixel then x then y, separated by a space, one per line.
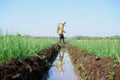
pixel 103 48
pixel 17 46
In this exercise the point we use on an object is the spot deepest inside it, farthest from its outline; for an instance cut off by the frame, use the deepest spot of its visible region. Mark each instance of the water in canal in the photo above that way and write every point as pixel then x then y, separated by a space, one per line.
pixel 62 68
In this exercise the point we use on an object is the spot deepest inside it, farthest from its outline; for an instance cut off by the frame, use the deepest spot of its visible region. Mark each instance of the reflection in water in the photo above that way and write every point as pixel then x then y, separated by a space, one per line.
pixel 60 62
pixel 62 69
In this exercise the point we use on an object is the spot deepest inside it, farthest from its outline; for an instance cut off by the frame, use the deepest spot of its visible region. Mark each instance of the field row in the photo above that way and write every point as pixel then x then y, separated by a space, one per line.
pixel 103 48
pixel 17 46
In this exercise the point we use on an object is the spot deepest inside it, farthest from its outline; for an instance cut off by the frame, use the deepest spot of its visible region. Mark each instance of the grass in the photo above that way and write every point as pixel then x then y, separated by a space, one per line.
pixel 103 48
pixel 17 46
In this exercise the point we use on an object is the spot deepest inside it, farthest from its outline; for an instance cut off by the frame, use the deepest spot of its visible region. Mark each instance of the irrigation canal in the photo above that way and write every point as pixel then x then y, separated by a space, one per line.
pixel 62 68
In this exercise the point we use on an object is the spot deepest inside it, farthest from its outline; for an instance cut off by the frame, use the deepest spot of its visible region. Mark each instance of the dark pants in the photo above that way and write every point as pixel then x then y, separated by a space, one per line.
pixel 61 37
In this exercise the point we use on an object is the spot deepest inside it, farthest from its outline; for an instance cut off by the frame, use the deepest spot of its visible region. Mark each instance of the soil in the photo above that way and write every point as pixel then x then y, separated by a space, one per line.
pixel 32 68
pixel 86 66
pixel 91 67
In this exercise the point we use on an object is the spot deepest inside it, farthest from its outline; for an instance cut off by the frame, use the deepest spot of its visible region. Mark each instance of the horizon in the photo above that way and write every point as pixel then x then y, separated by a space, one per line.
pixel 41 18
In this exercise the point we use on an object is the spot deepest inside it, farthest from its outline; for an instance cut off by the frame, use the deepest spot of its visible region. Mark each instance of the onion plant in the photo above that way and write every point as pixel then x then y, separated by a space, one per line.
pixel 17 46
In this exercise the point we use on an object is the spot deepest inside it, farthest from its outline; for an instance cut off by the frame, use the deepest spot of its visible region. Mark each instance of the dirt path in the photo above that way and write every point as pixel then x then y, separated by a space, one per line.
pixel 90 67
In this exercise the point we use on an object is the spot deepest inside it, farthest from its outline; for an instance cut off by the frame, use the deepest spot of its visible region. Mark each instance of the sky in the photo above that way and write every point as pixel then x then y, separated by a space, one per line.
pixel 41 17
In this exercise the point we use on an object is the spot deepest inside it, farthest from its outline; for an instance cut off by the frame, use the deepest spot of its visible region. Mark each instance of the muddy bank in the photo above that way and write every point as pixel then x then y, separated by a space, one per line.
pixel 31 68
pixel 90 67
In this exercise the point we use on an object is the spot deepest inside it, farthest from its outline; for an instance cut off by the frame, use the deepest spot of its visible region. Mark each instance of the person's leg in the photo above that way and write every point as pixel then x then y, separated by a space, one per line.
pixel 60 37
pixel 63 39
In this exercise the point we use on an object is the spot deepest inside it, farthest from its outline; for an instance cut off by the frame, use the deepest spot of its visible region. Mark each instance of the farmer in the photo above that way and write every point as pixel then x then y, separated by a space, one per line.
pixel 61 32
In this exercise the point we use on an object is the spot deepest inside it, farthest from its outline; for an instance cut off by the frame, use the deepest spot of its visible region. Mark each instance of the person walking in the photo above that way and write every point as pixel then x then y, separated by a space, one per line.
pixel 61 32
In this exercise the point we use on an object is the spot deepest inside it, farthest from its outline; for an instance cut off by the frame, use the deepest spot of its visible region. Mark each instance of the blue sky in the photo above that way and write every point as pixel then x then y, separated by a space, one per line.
pixel 41 17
